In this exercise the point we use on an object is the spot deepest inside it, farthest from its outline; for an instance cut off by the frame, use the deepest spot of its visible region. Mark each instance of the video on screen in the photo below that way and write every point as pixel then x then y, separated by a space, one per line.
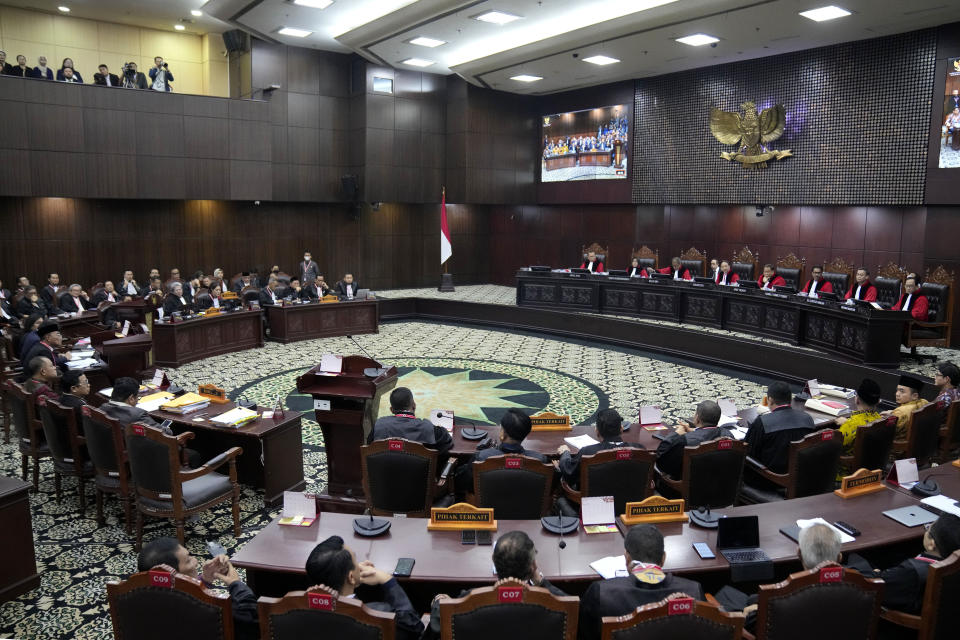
pixel 585 145
pixel 950 131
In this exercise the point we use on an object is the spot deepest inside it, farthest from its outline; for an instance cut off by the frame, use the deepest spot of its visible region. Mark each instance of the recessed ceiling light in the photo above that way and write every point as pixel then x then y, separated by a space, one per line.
pixel 295 33
pixel 526 78
pixel 314 4
pixel 601 60
pixel 496 17
pixel 418 62
pixel 196 12
pixel 698 40
pixel 825 13
pixel 179 27
pixel 64 9
pixel 424 41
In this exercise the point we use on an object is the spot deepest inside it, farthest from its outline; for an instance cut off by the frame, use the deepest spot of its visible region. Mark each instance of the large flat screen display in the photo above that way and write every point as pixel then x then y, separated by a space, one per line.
pixel 585 145
pixel 950 131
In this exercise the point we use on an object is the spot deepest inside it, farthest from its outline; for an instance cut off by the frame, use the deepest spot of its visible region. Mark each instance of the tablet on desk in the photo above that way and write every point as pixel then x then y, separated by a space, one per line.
pixel 911 516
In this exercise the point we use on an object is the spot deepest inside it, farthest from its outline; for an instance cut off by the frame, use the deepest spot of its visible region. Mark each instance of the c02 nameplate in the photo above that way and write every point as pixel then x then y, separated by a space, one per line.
pixel 861 483
pixel 654 509
pixel 461 516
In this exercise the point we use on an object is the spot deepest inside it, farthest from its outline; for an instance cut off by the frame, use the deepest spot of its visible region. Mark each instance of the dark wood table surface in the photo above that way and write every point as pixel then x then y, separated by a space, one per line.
pixel 177 343
pixel 19 573
pixel 293 322
pixel 272 456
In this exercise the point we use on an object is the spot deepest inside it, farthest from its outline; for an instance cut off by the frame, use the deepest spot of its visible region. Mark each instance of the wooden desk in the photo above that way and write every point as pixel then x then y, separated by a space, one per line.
pixel 178 343
pixel 79 326
pixel 19 573
pixel 293 322
pixel 272 456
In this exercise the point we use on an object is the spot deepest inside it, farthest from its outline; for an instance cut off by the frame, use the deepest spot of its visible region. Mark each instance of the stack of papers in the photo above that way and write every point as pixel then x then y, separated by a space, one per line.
pixel 610 567
pixel 837 392
pixel 829 407
pixel 803 524
pixel 739 433
pixel 187 403
pixel 84 363
pixel 580 441
pixel 943 503
pixel 330 363
pixel 153 401
pixel 235 417
pixel 79 354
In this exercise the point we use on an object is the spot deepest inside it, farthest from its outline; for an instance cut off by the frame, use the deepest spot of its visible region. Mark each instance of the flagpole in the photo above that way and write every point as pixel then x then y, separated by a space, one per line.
pixel 443 194
pixel 446 279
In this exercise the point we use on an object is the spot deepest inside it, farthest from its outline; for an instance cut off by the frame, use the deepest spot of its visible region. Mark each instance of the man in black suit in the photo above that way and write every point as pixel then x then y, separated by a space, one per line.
pixel 31 303
pixel 106 78
pixel 50 340
pixel 951 102
pixel 49 293
pixel 647 582
pixel 316 289
pixel 175 301
pixel 514 556
pixel 703 429
pixel 769 435
pixel 610 432
pixel 245 281
pixel 123 404
pixel 405 424
pixel 292 291
pixel 347 288
pixel 76 302
pixel 271 293
pixel 74 387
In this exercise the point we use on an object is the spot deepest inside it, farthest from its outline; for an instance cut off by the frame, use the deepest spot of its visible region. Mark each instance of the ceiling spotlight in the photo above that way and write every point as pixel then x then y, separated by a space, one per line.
pixel 196 13
pixel 496 17
pixel 179 27
pixel 526 78
pixel 295 33
pixel 64 9
pixel 418 62
pixel 825 13
pixel 424 41
pixel 698 40
pixel 314 4
pixel 601 60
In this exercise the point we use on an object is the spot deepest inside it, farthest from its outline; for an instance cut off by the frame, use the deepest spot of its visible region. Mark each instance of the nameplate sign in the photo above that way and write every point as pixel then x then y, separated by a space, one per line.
pixel 161 579
pixel 831 574
pixel 861 483
pixel 140 430
pixel 229 295
pixel 680 607
pixel 321 601
pixel 395 445
pixel 510 594
pixel 328 299
pixel 213 393
pixel 725 444
pixel 654 509
pixel 461 516
pixel 547 421
pixel 212 311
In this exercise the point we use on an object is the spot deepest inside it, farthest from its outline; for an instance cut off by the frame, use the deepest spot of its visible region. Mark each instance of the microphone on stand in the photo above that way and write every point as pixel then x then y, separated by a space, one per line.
pixel 563 543
pixel 371 372
pixel 472 433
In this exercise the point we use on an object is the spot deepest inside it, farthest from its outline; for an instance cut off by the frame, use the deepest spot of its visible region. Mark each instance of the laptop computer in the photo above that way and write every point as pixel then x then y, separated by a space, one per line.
pixel 738 539
pixel 911 516
pixel 362 294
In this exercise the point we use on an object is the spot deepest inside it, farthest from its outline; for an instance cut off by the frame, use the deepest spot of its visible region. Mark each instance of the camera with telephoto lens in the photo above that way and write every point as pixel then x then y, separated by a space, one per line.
pixel 129 70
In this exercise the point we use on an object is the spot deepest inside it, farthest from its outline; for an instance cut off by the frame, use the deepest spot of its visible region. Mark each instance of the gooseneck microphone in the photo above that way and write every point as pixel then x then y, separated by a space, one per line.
pixel 563 543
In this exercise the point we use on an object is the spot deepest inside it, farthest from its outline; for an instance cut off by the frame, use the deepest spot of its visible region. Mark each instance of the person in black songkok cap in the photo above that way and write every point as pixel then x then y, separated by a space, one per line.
pixel 868 397
pixel 908 401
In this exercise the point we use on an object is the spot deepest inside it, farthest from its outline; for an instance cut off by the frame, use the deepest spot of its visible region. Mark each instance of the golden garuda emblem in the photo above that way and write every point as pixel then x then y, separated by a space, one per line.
pixel 751 132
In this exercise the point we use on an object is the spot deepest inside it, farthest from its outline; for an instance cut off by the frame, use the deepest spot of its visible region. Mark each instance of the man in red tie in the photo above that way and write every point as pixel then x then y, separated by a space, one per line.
pixel 591 264
pixel 816 285
pixel 913 301
pixel 862 289
pixel 726 274
pixel 769 280
pixel 677 270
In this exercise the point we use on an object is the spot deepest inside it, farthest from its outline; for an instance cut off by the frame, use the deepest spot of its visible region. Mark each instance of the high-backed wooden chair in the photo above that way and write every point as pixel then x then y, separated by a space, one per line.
pixel 321 612
pixel 646 257
pixel 400 477
pixel 746 264
pixel 165 490
pixel 811 469
pixel 923 434
pixel 839 273
pixel 504 609
pixel 625 473
pixel 602 253
pixel 694 261
pixel 937 619
pixel 674 618
pixel 871 445
pixel 791 269
pixel 826 601
pixel 517 487
pixel 938 288
pixel 888 279
pixel 29 431
pixel 147 605
pixel 950 432
pixel 66 445
pixel 712 474
pixel 108 452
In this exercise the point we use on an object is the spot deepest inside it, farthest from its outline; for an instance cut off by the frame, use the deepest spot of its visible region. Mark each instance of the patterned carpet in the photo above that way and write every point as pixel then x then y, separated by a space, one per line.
pixel 477 373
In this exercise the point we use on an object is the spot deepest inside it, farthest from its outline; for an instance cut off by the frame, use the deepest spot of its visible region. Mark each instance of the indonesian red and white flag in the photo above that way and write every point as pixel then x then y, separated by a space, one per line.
pixel 446 248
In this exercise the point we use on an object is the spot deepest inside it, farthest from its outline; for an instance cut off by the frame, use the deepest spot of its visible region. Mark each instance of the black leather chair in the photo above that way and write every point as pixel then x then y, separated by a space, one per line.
pixel 814 604
pixel 203 301
pixel 400 477
pixel 937 619
pixel 28 429
pixel 149 604
pixel 517 487
pixel 108 453
pixel 695 267
pixel 321 611
pixel 625 473
pixel 936 331
pixel 888 290
pixel 66 446
pixel 745 270
pixel 790 268
pixel 534 614
pixel 164 490
pixel 703 621
pixel 871 446
pixel 923 434
pixel 712 474
pixel 839 273
pixel 790 276
pixel 250 294
pixel 811 469
pixel 646 257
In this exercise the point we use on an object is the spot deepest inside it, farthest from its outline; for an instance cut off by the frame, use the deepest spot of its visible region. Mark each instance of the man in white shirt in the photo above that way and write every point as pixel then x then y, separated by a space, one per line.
pixel 129 286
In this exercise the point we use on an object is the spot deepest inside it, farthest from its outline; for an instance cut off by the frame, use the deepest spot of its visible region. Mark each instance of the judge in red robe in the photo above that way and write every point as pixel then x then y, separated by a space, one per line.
pixel 770 279
pixel 862 289
pixel 592 264
pixel 677 270
pixel 913 301
pixel 636 270
pixel 816 285
pixel 726 275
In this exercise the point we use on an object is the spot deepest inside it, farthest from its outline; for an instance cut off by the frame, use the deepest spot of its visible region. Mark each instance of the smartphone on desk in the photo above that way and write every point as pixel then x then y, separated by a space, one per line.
pixel 404 567
pixel 703 550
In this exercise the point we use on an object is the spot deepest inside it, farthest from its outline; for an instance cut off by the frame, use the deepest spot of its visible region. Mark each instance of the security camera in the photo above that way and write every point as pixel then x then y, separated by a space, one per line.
pixel 759 210
pixel 576 55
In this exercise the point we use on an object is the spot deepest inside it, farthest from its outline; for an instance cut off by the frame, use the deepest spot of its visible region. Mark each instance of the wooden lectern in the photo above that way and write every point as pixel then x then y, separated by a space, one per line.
pixel 129 356
pixel 346 406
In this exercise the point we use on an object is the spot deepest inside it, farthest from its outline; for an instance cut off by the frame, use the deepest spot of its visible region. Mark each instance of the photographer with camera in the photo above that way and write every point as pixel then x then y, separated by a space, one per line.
pixel 133 79
pixel 160 75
